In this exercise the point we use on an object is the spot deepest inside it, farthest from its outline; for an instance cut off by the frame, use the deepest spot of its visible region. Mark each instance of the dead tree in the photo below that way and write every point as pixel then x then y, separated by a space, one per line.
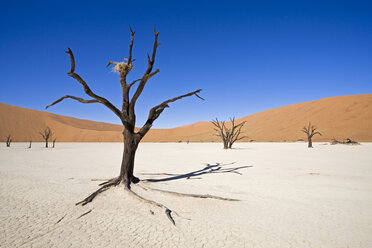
pixel 30 144
pixel 346 141
pixel 228 135
pixel 126 114
pixel 310 132
pixel 54 142
pixel 46 134
pixel 8 140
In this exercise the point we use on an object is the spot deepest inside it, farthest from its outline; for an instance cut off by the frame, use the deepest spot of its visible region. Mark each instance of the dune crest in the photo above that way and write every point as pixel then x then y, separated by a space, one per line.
pixel 340 117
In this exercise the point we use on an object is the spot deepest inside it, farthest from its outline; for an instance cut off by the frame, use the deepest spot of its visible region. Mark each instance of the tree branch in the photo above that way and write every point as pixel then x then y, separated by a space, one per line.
pixel 135 81
pixel 90 93
pixel 111 63
pixel 72 97
pixel 236 132
pixel 131 45
pixel 145 77
pixel 221 129
pixel 153 74
pixel 305 130
pixel 316 133
pixel 310 130
pixel 155 112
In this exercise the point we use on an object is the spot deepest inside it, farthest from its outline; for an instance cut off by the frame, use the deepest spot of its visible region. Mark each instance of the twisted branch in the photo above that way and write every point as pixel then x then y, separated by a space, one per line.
pixel 90 93
pixel 155 112
pixel 310 130
pixel 72 97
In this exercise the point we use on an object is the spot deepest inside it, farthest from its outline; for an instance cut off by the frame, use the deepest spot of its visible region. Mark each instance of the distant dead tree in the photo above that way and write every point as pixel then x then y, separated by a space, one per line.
pixel 346 141
pixel 30 144
pixel 46 134
pixel 54 142
pixel 310 132
pixel 8 140
pixel 126 115
pixel 228 135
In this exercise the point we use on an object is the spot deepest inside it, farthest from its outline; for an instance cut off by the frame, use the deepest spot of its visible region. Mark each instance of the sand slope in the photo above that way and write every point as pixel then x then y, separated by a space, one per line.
pixel 340 117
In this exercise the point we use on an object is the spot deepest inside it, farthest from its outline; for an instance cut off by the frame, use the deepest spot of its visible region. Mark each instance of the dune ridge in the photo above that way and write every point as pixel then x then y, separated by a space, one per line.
pixel 340 117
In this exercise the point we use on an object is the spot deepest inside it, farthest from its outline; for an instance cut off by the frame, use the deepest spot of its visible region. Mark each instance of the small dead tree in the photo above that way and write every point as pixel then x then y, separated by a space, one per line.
pixel 54 142
pixel 310 132
pixel 126 115
pixel 8 140
pixel 228 135
pixel 346 141
pixel 46 134
pixel 30 144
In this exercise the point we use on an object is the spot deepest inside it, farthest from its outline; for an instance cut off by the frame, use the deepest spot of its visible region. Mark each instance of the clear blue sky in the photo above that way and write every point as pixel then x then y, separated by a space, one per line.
pixel 247 56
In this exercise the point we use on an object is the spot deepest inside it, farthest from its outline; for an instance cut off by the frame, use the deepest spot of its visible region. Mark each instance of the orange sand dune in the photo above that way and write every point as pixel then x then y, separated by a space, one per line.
pixel 340 117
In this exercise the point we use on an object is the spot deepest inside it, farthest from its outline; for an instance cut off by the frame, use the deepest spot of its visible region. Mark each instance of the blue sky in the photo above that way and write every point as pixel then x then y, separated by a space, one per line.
pixel 247 56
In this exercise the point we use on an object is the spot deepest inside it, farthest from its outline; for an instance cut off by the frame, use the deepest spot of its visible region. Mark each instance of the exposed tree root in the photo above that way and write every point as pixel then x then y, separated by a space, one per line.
pixel 106 186
pixel 84 214
pixel 133 180
pixel 115 179
pixel 61 219
pixel 168 212
pixel 190 195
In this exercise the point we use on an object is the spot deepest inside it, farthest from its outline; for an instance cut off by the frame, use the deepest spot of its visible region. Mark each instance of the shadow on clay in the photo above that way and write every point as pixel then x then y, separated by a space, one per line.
pixel 208 169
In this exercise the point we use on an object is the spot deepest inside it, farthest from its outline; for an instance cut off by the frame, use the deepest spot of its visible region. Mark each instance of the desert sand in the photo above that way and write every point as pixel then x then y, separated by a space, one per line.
pixel 290 196
pixel 336 117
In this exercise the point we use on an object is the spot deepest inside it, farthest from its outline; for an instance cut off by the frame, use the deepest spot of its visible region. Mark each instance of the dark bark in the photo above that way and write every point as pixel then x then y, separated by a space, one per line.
pixel 127 164
pixel 8 140
pixel 30 144
pixel 54 142
pixel 46 134
pixel 310 131
pixel 228 135
pixel 310 143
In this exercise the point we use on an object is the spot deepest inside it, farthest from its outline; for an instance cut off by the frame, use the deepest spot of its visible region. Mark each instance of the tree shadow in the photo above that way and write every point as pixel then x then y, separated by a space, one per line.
pixel 241 148
pixel 209 169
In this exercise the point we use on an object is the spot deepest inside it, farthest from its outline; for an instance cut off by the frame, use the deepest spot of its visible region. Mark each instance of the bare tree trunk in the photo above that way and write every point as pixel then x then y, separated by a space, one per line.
pixel 225 144
pixel 54 143
pixel 310 145
pixel 46 143
pixel 30 144
pixel 8 140
pixel 127 164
